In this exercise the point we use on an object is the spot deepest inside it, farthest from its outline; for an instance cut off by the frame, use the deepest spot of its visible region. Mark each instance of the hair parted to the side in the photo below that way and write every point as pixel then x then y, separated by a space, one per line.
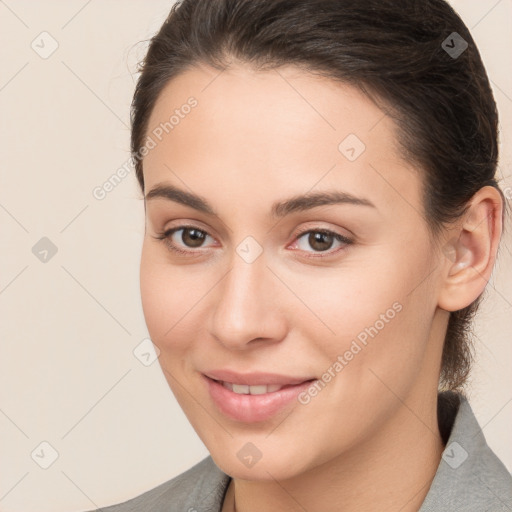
pixel 392 51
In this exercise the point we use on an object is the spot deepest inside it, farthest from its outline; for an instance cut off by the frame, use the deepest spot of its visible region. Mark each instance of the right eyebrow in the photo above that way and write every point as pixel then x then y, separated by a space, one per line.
pixel 177 195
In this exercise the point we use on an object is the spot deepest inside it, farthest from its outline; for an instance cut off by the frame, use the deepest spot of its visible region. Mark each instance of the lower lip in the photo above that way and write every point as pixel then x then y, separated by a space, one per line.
pixel 252 408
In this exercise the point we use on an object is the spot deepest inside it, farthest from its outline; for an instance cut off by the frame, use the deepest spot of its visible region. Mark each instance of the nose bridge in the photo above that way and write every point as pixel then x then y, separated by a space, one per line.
pixel 244 307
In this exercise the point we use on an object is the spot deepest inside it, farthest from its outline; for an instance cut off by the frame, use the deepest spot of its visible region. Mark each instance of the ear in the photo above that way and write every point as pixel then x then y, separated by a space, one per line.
pixel 470 252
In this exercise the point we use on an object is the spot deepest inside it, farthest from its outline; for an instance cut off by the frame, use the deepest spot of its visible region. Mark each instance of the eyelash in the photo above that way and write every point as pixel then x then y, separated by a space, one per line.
pixel 166 235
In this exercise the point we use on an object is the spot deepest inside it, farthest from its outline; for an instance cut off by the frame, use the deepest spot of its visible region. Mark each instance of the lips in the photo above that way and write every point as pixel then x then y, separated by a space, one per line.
pixel 253 397
pixel 255 378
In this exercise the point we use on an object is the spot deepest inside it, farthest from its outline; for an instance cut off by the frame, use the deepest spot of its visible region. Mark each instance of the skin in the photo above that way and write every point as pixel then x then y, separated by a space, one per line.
pixel 369 440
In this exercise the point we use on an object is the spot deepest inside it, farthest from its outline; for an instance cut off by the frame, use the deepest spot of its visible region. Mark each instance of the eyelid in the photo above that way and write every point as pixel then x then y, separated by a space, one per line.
pixel 318 229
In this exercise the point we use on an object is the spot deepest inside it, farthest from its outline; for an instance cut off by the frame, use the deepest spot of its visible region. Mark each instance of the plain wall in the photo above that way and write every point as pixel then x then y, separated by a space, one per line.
pixel 68 375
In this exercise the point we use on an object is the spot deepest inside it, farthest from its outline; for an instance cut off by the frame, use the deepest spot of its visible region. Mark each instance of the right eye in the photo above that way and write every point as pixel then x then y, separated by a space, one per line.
pixel 191 237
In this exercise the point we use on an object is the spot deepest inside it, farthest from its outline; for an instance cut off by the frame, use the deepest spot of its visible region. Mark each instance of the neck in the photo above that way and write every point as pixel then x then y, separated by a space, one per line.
pixel 391 471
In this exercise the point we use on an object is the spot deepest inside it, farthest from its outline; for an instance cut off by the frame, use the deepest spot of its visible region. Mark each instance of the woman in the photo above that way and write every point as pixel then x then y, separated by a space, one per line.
pixel 322 217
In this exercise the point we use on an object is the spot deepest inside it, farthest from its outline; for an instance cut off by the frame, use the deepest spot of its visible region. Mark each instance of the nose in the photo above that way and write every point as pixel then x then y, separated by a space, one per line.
pixel 247 311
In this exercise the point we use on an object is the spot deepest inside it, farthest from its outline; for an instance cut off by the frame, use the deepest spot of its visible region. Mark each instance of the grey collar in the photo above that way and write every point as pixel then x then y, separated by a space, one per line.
pixel 470 477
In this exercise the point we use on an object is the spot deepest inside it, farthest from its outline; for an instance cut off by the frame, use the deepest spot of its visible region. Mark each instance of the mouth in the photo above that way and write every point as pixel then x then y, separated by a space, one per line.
pixel 250 402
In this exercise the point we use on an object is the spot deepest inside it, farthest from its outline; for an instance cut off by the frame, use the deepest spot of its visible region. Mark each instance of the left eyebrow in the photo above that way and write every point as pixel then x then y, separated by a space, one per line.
pixel 279 209
pixel 314 199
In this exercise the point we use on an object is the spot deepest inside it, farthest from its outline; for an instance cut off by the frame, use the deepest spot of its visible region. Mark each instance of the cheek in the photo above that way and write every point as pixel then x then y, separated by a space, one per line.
pixel 376 311
pixel 173 299
pixel 152 293
pixel 163 304
pixel 159 294
pixel 348 300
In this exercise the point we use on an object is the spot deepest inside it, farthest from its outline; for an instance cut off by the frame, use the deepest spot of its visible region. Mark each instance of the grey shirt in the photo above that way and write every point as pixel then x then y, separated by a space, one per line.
pixel 470 478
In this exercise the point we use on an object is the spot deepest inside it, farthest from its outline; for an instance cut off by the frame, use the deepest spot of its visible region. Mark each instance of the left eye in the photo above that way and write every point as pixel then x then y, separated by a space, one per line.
pixel 321 240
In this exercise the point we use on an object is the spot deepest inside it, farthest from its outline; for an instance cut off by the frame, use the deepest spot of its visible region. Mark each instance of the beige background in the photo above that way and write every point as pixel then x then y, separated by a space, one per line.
pixel 68 374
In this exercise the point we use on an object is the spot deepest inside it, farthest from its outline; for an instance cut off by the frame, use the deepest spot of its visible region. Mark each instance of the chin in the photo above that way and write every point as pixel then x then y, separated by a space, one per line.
pixel 273 464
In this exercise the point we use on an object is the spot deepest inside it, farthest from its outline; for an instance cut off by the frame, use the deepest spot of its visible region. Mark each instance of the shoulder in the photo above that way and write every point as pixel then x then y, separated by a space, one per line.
pixel 202 487
pixel 470 476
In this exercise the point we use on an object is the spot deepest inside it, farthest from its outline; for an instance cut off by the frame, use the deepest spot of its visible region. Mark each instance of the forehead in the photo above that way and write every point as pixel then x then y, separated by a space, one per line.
pixel 297 106
pixel 283 129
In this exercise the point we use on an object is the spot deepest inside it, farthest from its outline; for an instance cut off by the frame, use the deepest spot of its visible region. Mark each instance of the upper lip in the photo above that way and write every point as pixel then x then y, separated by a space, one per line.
pixel 255 378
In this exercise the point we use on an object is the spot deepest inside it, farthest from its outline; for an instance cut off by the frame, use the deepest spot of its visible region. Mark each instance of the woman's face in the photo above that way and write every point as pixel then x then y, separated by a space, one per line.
pixel 258 288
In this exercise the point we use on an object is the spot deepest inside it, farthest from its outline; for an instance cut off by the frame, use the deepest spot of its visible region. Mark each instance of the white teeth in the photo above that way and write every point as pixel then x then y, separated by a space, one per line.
pixel 243 389
pixel 258 390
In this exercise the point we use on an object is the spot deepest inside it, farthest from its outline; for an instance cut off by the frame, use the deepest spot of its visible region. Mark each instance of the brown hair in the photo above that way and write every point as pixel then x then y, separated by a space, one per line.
pixel 398 52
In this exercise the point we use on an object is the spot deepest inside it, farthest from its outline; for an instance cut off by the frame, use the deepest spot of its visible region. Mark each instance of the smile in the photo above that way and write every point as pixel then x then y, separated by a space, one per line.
pixel 251 403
